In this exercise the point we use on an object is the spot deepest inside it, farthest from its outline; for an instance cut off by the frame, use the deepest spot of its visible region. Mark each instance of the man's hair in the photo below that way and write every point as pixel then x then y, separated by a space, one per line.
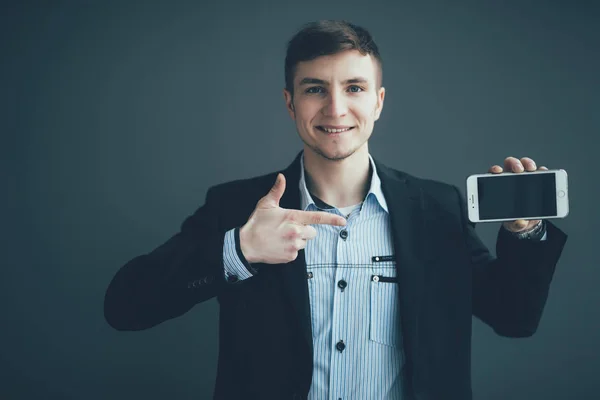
pixel 328 37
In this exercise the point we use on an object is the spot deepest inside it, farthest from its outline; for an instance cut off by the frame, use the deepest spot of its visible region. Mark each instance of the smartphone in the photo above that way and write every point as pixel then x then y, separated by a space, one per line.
pixel 510 196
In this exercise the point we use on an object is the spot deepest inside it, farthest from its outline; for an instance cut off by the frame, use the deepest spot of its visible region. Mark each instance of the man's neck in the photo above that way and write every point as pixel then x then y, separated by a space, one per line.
pixel 338 183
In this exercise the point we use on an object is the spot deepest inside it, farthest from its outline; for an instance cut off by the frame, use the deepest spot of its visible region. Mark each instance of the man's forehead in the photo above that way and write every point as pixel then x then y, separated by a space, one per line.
pixel 340 67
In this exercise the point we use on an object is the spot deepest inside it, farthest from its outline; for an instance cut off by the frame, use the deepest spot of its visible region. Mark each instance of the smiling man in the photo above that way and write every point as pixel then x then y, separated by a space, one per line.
pixel 346 278
pixel 335 101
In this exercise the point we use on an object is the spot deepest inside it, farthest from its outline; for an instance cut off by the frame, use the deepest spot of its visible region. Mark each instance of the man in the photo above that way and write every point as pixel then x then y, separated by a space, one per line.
pixel 346 279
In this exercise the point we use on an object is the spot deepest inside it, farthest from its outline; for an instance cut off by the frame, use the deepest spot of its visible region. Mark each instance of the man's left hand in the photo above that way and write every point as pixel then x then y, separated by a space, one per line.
pixel 512 164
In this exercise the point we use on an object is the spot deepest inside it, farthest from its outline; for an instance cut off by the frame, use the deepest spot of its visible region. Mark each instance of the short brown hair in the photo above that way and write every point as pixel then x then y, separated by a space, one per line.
pixel 327 37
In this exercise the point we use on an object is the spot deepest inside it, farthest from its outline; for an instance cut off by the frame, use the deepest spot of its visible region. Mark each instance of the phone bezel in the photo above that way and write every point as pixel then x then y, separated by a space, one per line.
pixel 562 201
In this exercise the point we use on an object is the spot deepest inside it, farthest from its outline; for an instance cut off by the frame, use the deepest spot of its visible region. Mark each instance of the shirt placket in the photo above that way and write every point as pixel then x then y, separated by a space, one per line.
pixel 340 333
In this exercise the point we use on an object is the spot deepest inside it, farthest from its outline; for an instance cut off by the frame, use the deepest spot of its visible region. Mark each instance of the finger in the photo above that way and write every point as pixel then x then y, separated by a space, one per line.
pixel 542 168
pixel 528 164
pixel 496 169
pixel 293 232
pixel 292 252
pixel 520 224
pixel 276 191
pixel 512 164
pixel 317 217
pixel 309 232
pixel 300 244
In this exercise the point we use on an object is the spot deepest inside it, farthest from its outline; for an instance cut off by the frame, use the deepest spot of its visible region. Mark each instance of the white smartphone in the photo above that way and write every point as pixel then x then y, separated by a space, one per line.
pixel 510 196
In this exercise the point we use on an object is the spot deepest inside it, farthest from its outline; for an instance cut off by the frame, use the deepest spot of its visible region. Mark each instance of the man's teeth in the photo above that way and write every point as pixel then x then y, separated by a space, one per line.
pixel 335 130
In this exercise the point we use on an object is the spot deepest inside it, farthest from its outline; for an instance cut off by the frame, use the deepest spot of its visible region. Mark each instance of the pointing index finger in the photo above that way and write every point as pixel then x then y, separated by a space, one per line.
pixel 317 217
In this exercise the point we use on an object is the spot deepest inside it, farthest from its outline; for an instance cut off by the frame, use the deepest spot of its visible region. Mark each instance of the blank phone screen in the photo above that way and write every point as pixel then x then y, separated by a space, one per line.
pixel 517 196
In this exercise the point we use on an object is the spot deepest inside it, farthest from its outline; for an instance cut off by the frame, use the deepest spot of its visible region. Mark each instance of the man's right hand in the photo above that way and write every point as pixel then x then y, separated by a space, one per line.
pixel 274 235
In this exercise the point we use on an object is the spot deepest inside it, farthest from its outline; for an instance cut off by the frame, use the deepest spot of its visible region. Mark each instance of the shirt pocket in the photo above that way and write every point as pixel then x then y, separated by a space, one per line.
pixel 384 319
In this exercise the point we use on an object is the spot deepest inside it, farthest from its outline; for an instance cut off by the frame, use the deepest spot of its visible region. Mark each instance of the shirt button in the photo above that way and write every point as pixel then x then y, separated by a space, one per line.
pixel 375 278
pixel 340 346
pixel 344 234
pixel 342 284
pixel 309 275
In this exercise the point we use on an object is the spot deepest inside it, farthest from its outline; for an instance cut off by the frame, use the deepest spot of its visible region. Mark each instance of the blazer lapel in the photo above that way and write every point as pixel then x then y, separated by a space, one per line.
pixel 406 206
pixel 294 273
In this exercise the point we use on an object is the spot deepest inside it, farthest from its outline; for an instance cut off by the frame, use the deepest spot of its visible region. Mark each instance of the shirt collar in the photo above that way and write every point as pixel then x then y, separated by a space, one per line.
pixel 375 189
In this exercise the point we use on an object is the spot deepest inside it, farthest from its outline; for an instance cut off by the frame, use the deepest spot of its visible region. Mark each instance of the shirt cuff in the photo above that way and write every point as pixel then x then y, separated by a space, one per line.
pixel 236 268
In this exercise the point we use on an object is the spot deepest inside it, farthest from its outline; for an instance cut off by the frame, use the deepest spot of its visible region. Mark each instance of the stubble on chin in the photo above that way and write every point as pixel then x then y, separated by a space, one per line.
pixel 337 157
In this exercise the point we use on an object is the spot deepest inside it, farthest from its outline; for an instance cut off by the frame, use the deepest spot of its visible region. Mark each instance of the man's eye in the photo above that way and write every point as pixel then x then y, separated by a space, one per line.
pixel 314 89
pixel 355 89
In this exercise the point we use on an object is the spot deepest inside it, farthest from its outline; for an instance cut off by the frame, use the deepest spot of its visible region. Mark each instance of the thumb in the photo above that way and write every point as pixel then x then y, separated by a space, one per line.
pixel 520 224
pixel 277 190
pixel 515 226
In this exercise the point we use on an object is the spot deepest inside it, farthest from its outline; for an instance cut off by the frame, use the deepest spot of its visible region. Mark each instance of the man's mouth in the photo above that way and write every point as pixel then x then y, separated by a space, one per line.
pixel 328 129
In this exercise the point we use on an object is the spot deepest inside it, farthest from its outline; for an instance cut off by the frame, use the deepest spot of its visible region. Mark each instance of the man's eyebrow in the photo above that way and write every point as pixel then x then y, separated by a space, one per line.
pixel 358 79
pixel 312 81
pixel 315 81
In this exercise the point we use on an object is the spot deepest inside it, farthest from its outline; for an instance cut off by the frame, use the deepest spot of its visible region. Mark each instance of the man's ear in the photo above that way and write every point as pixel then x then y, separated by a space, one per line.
pixel 289 103
pixel 379 105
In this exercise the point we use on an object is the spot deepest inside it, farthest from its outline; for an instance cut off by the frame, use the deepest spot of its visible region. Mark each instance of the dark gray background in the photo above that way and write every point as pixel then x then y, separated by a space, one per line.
pixel 118 116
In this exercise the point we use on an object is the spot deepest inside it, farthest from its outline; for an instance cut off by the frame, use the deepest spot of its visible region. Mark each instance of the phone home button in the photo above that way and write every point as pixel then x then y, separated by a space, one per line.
pixel 561 193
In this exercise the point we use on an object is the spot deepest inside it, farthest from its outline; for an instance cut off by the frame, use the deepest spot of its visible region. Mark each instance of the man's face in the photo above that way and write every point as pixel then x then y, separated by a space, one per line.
pixel 336 103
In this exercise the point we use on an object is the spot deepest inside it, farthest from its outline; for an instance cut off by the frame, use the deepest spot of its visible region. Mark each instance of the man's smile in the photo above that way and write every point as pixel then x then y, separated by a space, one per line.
pixel 334 129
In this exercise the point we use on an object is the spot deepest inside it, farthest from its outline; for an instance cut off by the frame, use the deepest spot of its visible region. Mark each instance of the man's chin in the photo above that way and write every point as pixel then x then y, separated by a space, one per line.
pixel 333 155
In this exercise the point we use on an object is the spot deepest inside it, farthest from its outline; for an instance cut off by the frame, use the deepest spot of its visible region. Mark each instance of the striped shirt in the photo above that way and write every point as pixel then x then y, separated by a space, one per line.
pixel 353 298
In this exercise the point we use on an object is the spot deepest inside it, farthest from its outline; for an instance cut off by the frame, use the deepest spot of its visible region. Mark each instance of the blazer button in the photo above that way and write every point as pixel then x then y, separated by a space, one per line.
pixel 296 396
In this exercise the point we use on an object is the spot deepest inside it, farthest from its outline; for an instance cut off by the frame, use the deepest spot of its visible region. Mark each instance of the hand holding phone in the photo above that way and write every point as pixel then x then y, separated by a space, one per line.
pixel 519 195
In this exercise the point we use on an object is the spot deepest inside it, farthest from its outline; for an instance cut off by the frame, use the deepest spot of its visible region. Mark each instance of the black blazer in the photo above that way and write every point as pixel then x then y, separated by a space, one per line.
pixel 445 272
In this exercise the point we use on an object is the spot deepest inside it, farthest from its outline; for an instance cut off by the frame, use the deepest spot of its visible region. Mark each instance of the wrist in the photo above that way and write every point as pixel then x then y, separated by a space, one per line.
pixel 534 233
pixel 244 246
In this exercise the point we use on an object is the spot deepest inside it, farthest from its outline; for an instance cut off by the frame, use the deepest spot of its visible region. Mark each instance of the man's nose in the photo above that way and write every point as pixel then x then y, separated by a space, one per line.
pixel 336 105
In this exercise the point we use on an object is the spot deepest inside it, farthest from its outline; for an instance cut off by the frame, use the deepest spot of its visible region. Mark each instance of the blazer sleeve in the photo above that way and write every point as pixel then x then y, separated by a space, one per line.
pixel 171 279
pixel 509 291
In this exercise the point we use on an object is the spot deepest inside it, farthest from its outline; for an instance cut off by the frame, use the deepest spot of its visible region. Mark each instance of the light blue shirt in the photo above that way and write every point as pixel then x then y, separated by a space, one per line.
pixel 354 303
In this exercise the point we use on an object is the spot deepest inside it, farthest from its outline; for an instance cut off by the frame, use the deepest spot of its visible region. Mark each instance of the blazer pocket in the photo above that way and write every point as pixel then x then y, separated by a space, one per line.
pixel 384 324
